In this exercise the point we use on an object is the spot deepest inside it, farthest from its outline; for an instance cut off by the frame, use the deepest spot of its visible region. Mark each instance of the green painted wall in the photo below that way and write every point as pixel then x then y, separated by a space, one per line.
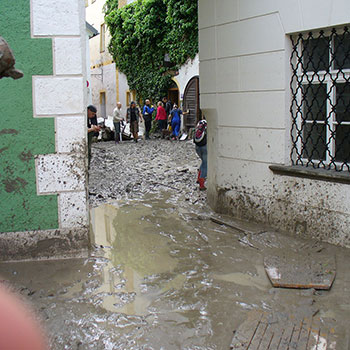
pixel 21 136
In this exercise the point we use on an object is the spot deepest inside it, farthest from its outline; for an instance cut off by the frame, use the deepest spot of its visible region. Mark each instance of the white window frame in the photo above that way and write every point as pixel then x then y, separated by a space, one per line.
pixel 331 79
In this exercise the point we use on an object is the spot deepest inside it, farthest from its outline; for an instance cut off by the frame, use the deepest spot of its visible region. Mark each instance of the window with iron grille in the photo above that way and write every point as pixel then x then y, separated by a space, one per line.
pixel 320 107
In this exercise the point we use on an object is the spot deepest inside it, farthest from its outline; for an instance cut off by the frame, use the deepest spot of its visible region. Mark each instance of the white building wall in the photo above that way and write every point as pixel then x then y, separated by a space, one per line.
pixel 63 96
pixel 104 75
pixel 186 73
pixel 244 83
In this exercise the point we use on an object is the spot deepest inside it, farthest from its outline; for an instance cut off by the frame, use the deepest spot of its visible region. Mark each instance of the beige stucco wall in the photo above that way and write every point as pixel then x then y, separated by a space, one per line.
pixel 244 82
pixel 104 75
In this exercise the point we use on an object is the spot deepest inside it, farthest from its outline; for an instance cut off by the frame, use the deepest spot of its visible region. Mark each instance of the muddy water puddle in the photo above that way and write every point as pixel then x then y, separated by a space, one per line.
pixel 162 275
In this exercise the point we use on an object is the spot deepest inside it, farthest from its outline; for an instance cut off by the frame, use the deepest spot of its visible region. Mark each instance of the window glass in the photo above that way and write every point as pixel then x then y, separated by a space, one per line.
pixel 314 139
pixel 342 51
pixel 315 102
pixel 103 38
pixel 315 54
pixel 342 143
pixel 342 107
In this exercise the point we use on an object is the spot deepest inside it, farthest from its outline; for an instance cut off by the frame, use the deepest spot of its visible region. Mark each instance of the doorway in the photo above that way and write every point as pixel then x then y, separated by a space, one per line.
pixel 173 93
pixel 192 103
pixel 103 104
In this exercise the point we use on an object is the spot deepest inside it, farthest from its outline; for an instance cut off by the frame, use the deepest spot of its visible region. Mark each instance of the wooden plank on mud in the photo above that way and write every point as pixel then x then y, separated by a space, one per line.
pixel 292 270
pixel 261 332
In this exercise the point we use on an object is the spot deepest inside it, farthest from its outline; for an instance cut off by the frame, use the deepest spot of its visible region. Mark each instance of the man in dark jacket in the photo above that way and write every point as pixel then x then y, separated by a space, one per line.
pixel 133 116
pixel 168 106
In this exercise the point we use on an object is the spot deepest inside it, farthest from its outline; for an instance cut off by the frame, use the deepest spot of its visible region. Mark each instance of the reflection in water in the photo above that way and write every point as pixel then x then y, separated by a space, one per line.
pixel 259 280
pixel 162 276
pixel 135 248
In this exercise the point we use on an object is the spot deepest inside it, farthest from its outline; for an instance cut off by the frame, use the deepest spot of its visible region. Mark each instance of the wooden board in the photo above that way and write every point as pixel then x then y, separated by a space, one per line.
pixel 301 270
pixel 263 331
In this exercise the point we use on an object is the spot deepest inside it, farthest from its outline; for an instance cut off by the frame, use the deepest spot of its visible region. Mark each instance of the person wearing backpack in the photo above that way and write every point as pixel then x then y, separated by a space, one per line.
pixel 200 140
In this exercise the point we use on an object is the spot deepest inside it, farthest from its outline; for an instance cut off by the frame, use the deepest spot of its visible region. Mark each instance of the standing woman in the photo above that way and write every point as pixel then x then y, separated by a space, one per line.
pixel 161 117
pixel 133 116
pixel 200 140
pixel 175 122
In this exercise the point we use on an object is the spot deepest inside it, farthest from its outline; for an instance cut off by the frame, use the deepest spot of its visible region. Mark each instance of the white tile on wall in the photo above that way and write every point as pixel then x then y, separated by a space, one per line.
pixel 253 8
pixel 226 11
pixel 70 134
pixel 209 77
pixel 207 43
pixel 72 209
pixel 256 35
pixel 263 71
pixel 228 75
pixel 245 173
pixel 208 101
pixel 255 109
pixel 340 12
pixel 206 13
pixel 51 17
pixel 68 56
pixel 57 96
pixel 316 13
pixel 262 145
pixel 60 173
pixel 290 15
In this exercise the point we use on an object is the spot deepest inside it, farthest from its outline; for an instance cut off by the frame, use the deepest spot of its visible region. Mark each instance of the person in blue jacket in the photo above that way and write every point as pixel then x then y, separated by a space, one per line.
pixel 147 117
pixel 175 122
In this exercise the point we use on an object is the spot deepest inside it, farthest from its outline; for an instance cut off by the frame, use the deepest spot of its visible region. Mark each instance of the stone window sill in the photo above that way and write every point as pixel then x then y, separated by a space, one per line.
pixel 311 173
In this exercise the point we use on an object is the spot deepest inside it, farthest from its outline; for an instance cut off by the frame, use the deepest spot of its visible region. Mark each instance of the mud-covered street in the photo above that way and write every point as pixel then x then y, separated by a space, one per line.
pixel 162 274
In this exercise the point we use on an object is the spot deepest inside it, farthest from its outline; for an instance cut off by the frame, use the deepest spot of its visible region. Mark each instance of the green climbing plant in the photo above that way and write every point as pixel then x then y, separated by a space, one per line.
pixel 143 32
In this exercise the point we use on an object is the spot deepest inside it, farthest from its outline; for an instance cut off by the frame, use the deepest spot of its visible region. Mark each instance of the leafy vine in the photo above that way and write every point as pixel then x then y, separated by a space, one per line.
pixel 143 32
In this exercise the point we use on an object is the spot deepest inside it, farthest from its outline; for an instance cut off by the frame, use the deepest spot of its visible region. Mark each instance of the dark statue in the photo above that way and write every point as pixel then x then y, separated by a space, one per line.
pixel 7 62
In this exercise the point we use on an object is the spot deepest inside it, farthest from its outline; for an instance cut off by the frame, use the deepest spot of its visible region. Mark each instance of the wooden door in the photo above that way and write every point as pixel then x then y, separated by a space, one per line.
pixel 191 103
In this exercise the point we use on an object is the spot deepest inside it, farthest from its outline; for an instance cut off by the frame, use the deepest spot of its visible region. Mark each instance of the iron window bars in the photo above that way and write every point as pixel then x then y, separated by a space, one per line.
pixel 320 107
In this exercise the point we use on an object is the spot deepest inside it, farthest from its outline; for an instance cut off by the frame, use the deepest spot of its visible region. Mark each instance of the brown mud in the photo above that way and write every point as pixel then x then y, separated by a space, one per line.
pixel 162 274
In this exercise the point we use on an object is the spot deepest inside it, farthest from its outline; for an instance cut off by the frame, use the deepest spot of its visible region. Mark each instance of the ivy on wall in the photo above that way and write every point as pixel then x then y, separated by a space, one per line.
pixel 143 32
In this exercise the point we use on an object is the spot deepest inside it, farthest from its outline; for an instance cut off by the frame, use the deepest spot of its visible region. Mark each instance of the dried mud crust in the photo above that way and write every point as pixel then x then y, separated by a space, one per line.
pixel 131 170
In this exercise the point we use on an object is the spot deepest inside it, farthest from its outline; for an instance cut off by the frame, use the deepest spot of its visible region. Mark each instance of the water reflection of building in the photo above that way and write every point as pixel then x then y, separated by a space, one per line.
pixel 134 252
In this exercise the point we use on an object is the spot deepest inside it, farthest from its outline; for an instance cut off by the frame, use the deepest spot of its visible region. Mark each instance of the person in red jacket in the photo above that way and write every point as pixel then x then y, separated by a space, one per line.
pixel 161 118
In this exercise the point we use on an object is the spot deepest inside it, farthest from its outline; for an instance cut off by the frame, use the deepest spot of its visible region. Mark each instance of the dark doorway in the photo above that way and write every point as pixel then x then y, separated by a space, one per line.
pixel 173 93
pixel 191 103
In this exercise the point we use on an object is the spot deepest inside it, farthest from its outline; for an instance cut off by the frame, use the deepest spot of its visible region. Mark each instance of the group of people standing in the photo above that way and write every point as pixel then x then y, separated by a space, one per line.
pixel 166 114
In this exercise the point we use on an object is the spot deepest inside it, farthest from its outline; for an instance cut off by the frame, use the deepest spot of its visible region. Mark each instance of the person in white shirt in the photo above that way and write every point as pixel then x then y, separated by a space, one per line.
pixel 117 118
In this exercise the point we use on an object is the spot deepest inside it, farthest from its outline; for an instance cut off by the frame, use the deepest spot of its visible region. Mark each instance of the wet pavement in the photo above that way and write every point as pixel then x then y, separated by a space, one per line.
pixel 162 274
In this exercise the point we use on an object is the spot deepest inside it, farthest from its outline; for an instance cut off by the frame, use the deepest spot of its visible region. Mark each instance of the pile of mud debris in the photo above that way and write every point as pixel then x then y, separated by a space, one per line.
pixel 130 170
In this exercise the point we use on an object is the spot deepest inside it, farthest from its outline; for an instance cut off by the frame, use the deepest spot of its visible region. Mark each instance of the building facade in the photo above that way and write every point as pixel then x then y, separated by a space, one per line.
pixel 275 90
pixel 110 86
pixel 43 210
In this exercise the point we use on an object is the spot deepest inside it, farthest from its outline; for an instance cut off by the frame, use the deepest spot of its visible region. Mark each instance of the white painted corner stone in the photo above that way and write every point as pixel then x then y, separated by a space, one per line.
pixel 72 209
pixel 58 96
pixel 52 17
pixel 70 134
pixel 67 56
pixel 60 173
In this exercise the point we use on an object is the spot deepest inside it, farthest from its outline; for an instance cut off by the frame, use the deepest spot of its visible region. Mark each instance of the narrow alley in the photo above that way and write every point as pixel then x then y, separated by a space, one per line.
pixel 164 274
